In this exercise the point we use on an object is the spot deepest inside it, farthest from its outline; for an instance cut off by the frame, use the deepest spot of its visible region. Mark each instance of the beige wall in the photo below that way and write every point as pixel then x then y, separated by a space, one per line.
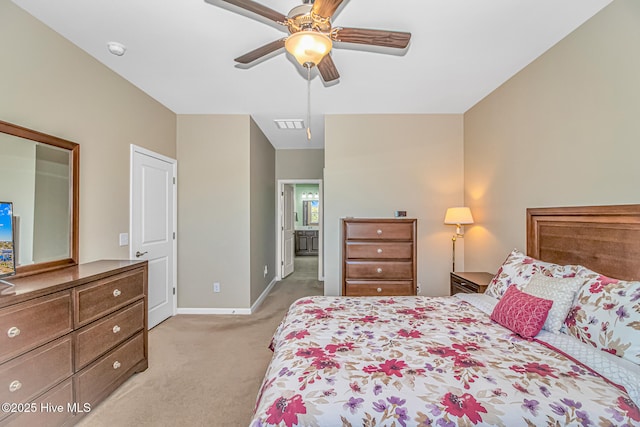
pixel 213 211
pixel 299 164
pixel 564 131
pixel 48 84
pixel 52 86
pixel 263 211
pixel 377 164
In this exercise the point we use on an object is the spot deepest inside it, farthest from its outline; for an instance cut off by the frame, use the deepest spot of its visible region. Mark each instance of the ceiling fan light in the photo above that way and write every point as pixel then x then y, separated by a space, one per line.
pixel 308 46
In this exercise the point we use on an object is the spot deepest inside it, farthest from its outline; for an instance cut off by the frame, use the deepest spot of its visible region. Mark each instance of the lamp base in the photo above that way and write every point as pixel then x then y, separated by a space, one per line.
pixel 453 252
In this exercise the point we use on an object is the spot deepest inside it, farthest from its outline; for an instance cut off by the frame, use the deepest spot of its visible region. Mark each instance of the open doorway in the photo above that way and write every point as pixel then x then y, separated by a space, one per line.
pixel 299 226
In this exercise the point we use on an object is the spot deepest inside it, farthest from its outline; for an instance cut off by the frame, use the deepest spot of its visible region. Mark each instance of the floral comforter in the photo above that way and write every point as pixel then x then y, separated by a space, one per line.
pixel 420 361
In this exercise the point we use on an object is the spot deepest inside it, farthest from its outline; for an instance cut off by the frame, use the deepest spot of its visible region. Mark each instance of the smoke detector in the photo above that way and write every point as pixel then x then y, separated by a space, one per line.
pixel 117 49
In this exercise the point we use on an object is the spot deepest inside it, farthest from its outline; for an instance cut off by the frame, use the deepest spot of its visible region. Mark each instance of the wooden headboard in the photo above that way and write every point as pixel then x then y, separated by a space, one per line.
pixel 605 239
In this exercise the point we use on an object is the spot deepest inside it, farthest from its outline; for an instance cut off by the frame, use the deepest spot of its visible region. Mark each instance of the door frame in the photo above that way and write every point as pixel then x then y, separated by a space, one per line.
pixel 174 248
pixel 280 214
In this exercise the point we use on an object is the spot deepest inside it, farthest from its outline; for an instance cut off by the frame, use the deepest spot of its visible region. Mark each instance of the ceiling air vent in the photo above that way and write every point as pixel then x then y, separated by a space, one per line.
pixel 289 124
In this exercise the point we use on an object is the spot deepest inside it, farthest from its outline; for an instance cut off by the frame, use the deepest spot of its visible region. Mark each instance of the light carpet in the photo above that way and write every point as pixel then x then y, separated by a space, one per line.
pixel 205 370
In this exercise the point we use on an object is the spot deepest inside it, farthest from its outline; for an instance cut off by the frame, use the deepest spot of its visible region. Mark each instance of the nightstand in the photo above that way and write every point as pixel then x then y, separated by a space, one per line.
pixel 470 282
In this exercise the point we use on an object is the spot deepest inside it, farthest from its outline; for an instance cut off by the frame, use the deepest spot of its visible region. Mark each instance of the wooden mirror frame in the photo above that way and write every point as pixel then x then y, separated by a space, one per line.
pixel 74 149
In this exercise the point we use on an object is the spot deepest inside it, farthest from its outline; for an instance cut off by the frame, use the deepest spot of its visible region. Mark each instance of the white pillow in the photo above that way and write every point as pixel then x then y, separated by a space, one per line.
pixel 561 291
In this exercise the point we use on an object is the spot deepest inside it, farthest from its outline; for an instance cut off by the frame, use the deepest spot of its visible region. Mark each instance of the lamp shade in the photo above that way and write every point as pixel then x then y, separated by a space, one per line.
pixel 458 216
pixel 308 46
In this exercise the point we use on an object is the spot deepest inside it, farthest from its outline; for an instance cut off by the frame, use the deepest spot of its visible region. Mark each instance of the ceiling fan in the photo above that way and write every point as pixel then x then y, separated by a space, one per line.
pixel 311 34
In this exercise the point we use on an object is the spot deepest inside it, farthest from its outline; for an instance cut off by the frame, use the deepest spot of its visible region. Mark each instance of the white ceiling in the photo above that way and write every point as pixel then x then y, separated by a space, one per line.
pixel 181 53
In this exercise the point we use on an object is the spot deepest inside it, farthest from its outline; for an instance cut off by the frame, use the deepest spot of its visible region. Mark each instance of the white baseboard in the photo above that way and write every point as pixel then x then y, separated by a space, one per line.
pixel 244 311
pixel 214 311
pixel 263 295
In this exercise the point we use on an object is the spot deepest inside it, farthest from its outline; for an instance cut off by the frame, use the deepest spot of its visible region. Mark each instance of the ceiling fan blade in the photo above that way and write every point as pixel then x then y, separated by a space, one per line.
pixel 325 8
pixel 260 52
pixel 395 39
pixel 259 9
pixel 327 69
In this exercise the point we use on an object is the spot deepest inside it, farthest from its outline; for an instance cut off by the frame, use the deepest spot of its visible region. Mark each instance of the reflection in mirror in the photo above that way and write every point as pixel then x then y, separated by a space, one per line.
pixel 39 175
pixel 310 212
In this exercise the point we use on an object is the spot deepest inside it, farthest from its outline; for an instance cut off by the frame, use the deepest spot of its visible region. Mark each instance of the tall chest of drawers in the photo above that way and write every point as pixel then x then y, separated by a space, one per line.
pixel 379 256
pixel 70 337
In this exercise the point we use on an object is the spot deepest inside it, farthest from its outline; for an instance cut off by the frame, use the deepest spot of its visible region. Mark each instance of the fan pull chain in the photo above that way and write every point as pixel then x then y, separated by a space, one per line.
pixel 309 103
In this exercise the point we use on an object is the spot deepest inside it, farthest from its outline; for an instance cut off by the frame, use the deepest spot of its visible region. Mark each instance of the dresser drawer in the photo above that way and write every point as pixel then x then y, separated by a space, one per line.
pixel 379 250
pixel 29 324
pixel 97 380
pixel 379 230
pixel 36 371
pixel 371 288
pixel 52 409
pixel 104 296
pixel 458 288
pixel 379 270
pixel 103 335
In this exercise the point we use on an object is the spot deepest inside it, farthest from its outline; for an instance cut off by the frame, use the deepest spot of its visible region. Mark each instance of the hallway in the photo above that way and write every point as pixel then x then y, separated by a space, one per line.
pixel 306 273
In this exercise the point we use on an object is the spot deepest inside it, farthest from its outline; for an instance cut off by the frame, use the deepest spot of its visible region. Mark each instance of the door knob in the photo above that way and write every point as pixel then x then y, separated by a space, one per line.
pixel 139 254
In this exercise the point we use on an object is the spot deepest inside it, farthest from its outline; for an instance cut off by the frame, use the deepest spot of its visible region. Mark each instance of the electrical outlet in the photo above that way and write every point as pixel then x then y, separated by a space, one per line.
pixel 216 287
pixel 266 271
pixel 419 287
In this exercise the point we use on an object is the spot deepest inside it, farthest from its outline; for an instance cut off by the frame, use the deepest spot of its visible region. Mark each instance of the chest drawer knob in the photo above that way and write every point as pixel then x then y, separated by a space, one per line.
pixel 117 292
pixel 379 250
pixel 379 289
pixel 116 364
pixel 13 332
pixel 379 270
pixel 379 232
pixel 116 329
pixel 15 386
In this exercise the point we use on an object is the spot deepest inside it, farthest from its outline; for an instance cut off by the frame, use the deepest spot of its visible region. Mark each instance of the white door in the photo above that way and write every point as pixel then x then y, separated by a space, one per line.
pixel 153 198
pixel 288 231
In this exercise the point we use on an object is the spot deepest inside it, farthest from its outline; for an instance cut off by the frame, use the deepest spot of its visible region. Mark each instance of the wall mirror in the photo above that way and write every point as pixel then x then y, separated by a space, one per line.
pixel 40 176
pixel 310 212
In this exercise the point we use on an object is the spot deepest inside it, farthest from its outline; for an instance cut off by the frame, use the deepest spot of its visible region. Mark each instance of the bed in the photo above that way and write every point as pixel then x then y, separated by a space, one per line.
pixel 553 341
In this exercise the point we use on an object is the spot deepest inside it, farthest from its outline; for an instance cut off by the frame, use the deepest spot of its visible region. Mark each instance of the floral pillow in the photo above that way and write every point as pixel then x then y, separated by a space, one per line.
pixel 606 314
pixel 517 270
pixel 561 291
pixel 524 314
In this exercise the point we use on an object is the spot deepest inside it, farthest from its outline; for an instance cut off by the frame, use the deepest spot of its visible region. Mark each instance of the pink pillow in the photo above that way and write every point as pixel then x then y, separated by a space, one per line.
pixel 524 314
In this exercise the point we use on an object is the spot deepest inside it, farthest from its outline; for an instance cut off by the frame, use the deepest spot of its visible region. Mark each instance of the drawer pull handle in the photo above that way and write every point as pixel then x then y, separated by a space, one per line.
pixel 379 270
pixel 379 289
pixel 13 332
pixel 379 232
pixel 116 329
pixel 117 293
pixel 379 250
pixel 15 386
pixel 116 364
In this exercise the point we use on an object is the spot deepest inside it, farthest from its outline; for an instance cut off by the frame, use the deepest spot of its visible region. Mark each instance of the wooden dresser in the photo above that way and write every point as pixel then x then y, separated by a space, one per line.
pixel 70 337
pixel 379 256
